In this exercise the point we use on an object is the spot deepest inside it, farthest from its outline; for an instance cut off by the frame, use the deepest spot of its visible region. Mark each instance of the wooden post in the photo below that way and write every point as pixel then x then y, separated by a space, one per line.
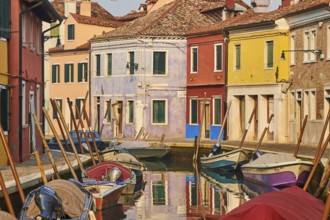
pixel 69 137
pixel 264 131
pixel 59 144
pixel 248 125
pixel 42 171
pixel 200 130
pixel 6 195
pixel 325 126
pixel 302 129
pixel 75 125
pixel 224 123
pixel 326 210
pixel 51 159
pixel 105 115
pixel 85 135
pixel 12 166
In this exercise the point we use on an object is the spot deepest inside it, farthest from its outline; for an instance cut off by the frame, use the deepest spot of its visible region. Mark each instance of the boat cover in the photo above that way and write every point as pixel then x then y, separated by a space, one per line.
pixel 272 158
pixel 72 198
pixel 7 216
pixel 289 203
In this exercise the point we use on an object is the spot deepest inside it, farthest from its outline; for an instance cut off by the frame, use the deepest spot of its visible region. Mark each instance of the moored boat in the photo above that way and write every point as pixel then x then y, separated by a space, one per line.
pixel 279 170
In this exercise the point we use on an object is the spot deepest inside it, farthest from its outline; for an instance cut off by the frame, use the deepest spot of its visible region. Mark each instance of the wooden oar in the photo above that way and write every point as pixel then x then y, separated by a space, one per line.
pixel 200 130
pixel 50 156
pixel 326 210
pixel 69 137
pixel 85 135
pixel 264 131
pixel 302 129
pixel 75 125
pixel 60 125
pixel 248 125
pixel 224 123
pixel 325 126
pixel 12 166
pixel 42 171
pixel 105 114
pixel 59 144
pixel 6 195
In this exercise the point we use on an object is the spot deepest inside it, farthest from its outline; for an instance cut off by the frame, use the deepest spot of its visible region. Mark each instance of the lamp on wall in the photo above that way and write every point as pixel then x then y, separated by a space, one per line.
pixel 317 52
pixel 132 65
pixel 58 42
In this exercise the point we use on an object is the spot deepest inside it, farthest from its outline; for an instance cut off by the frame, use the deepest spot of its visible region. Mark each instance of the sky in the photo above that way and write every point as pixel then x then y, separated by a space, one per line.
pixel 120 7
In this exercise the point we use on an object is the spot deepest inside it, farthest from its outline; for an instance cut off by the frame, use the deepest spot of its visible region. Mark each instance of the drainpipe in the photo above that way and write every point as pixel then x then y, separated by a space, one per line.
pixel 20 103
pixel 43 67
pixel 226 41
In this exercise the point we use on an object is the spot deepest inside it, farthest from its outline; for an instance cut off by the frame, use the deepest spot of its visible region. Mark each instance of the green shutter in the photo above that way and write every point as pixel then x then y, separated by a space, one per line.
pixel 109 64
pixel 195 59
pixel 270 54
pixel 193 117
pixel 217 111
pixel 219 57
pixel 66 73
pixel 109 111
pixel 159 63
pixel 158 193
pixel 71 32
pixel 72 73
pixel 98 65
pixel 5 20
pixel 4 109
pixel 238 57
pixel 80 74
pixel 54 73
pixel 131 63
pixel 85 72
pixel 131 111
pixel 159 111
pixel 78 105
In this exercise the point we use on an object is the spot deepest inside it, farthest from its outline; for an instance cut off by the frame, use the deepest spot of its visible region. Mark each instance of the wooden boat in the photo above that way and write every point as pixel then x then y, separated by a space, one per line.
pixel 113 171
pixel 142 149
pixel 230 160
pixel 106 194
pixel 58 199
pixel 289 203
pixel 279 170
pixel 127 160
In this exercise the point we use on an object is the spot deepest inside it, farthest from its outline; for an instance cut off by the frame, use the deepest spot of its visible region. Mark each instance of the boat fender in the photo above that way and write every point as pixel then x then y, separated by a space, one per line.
pixel 256 155
pixel 216 149
pixel 113 175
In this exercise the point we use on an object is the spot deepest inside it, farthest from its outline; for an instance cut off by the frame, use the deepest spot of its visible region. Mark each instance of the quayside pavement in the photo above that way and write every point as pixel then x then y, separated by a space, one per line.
pixel 29 173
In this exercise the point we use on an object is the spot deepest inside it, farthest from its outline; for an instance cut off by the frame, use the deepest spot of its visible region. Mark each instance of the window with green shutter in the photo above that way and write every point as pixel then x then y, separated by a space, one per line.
pixel 159 63
pixel 194 59
pixel 68 73
pixel 131 63
pixel 71 32
pixel 158 193
pixel 158 111
pixel 130 111
pixel 238 57
pixel 193 111
pixel 5 20
pixel 270 54
pixel 108 109
pixel 218 57
pixel 98 64
pixel 79 104
pixel 59 103
pixel 217 111
pixel 109 64
pixel 55 73
pixel 82 72
pixel 4 109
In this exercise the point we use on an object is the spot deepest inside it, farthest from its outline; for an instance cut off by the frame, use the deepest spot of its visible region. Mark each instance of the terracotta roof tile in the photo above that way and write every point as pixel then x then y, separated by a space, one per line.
pixel 61 49
pixel 173 19
pixel 96 21
pixel 97 10
pixel 131 16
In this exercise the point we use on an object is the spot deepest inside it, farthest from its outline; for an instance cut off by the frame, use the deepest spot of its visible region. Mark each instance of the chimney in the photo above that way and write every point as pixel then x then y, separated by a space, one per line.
pixel 86 8
pixel 70 6
pixel 260 5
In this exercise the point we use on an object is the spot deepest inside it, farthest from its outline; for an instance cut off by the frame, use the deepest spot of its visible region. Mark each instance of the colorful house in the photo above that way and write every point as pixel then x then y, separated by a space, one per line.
pixel 140 71
pixel 69 73
pixel 206 76
pixel 25 73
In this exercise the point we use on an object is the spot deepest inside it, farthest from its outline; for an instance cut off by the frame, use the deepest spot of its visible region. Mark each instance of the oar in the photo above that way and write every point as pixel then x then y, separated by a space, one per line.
pixel 69 136
pixel 75 125
pixel 302 129
pixel 12 166
pixel 326 210
pixel 42 171
pixel 6 195
pixel 264 131
pixel 200 130
pixel 50 157
pixel 59 144
pixel 325 126
pixel 85 135
pixel 248 125
pixel 105 114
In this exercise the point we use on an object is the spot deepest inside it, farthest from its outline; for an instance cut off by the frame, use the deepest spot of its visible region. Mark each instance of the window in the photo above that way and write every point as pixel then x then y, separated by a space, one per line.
pixel 292 105
pixel 218 57
pixel 130 112
pixel 55 73
pixel 38 102
pixel 24 29
pixel 38 26
pixel 131 62
pixel 158 193
pixel 31 32
pixel 98 64
pixel 4 107
pixel 237 57
pixel 82 72
pixel 217 106
pixel 59 103
pixel 5 21
pixel 270 54
pixel 23 102
pixel 68 72
pixel 109 64
pixel 79 104
pixel 310 104
pixel 71 32
pixel 309 44
pixel 107 111
pixel 193 111
pixel 159 63
pixel 194 60
pixel 159 111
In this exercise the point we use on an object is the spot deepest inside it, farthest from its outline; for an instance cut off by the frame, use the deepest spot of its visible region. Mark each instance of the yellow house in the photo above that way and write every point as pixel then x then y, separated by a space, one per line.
pixel 257 78
pixel 69 73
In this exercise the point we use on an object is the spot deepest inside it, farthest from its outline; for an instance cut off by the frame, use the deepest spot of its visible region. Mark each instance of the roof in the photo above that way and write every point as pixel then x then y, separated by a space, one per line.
pixel 82 19
pixel 131 16
pixel 97 10
pixel 44 10
pixel 251 18
pixel 82 47
pixel 173 19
